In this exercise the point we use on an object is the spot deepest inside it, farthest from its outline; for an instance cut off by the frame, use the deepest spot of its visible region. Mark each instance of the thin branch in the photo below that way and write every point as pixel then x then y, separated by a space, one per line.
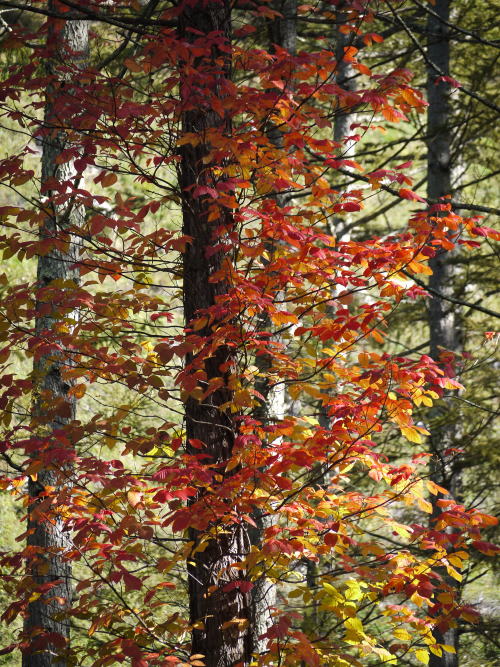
pixel 451 299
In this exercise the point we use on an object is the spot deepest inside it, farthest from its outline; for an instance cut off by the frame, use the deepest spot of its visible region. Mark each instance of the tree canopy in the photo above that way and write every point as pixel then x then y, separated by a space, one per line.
pixel 229 436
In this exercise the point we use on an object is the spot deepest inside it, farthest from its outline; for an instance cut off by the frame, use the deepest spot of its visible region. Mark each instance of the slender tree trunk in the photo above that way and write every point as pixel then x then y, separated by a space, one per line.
pixel 344 77
pixel 264 590
pixel 47 624
pixel 344 117
pixel 223 640
pixel 444 318
pixel 336 224
pixel 283 33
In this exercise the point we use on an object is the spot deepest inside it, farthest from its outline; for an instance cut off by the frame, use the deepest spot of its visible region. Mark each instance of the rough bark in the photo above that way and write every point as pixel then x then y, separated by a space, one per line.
pixel 443 317
pixel 53 406
pixel 213 610
pixel 283 29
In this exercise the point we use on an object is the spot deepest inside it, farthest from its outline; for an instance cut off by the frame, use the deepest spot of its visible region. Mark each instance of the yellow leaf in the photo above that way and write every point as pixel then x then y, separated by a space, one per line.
pixel 354 624
pixel 281 317
pixel 411 434
pixel 448 648
pixel 233 463
pixel 453 573
pixel 416 267
pixel 455 561
pixel 353 590
pixel 424 505
pixel 435 488
pixel 422 655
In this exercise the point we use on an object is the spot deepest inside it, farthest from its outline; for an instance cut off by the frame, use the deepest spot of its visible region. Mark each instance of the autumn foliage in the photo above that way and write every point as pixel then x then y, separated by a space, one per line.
pixel 193 206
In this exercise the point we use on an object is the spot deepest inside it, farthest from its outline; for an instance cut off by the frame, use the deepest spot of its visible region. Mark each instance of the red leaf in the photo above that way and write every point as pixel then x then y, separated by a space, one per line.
pixel 201 190
pixel 486 548
pixel 409 194
pixel 132 583
pixel 351 206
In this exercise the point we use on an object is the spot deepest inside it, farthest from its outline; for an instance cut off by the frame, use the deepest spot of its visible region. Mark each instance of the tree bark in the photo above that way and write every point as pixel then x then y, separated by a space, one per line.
pixel 344 117
pixel 47 625
pixel 443 317
pixel 221 617
pixel 282 33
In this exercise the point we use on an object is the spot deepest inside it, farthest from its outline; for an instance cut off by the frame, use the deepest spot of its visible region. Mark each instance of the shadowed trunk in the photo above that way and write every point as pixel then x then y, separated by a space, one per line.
pixel 47 624
pixel 444 317
pixel 221 617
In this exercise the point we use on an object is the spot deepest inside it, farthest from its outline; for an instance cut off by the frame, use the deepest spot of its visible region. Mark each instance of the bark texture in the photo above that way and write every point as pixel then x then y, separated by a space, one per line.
pixel 47 623
pixel 217 634
pixel 443 317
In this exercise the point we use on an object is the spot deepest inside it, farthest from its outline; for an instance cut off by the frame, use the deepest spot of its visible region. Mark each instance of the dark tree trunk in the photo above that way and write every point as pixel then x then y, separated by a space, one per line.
pixel 218 636
pixel 444 318
pixel 47 624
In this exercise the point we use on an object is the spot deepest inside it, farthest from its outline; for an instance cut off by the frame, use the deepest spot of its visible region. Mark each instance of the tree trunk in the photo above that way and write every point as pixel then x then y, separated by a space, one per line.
pixel 221 617
pixel 444 318
pixel 47 624
pixel 283 33
pixel 344 117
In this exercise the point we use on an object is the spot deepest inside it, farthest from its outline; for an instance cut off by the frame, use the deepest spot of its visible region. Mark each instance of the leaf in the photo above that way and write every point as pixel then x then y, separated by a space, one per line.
pixel 424 505
pixel 201 190
pixel 486 548
pixel 131 582
pixel 132 65
pixel 134 498
pixel 409 194
pixel 411 434
pixel 233 463
pixel 109 179
pixel 453 573
pixel 422 656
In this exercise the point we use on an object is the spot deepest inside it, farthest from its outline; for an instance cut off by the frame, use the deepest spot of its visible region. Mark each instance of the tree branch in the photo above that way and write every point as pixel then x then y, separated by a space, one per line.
pixel 458 302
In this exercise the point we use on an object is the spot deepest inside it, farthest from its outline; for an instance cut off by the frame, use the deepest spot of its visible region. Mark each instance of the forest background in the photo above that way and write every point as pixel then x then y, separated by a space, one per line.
pixel 339 320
